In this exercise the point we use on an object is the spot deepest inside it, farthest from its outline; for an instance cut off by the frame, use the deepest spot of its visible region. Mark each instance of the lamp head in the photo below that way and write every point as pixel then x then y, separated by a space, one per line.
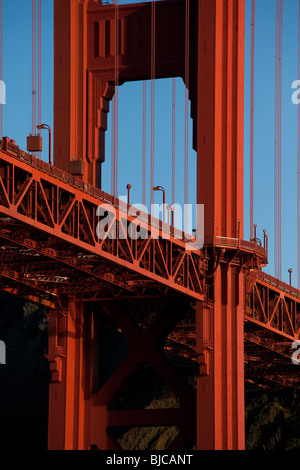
pixel 43 126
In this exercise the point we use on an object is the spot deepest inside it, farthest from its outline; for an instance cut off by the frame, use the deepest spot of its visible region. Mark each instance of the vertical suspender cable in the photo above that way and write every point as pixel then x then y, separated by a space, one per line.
pixel 186 132
pixel 298 165
pixel 114 120
pixel 144 141
pixel 152 102
pixel 252 119
pixel 277 147
pixel 1 69
pixel 186 137
pixel 39 61
pixel 276 162
pixel 113 146
pixel 112 164
pixel 33 67
pixel 116 94
pixel 280 131
pixel 144 149
pixel 173 137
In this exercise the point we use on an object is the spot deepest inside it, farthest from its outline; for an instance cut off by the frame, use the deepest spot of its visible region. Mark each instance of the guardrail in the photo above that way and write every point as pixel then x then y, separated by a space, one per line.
pixel 277 283
pixel 9 146
pixel 12 149
pixel 238 243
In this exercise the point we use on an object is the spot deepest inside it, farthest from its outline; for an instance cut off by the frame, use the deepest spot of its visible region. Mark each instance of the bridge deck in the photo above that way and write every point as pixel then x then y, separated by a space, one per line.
pixel 50 249
pixel 49 223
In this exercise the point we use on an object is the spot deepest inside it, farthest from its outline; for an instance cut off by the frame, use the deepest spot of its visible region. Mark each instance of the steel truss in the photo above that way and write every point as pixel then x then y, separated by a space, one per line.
pixel 53 222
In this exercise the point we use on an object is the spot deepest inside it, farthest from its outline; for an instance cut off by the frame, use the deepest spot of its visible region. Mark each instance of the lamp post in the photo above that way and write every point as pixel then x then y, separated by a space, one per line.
pixel 161 188
pixel 264 230
pixel 128 193
pixel 290 273
pixel 255 228
pixel 45 126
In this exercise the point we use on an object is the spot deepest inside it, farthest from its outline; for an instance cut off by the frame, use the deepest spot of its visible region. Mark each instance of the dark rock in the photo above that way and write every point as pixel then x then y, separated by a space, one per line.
pixel 24 378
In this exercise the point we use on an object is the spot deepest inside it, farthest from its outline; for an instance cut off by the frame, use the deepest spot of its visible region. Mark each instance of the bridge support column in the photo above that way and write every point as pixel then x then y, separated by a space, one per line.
pixel 68 398
pixel 220 347
pixel 220 93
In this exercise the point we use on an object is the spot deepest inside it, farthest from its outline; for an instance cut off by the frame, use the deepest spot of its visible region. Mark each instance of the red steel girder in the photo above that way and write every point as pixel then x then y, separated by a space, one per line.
pixel 273 306
pixel 36 198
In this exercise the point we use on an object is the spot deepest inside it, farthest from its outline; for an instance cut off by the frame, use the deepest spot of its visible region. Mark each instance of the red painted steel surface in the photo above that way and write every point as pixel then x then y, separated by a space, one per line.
pixel 162 300
pixel 59 206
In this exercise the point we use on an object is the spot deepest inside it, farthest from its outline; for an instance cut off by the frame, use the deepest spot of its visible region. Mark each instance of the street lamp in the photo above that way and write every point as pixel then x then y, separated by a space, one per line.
pixel 290 273
pixel 128 193
pixel 161 188
pixel 255 227
pixel 45 126
pixel 264 230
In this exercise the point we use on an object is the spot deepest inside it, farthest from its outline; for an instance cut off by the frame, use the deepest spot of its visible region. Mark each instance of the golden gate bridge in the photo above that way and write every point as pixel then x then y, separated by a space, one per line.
pixel 211 305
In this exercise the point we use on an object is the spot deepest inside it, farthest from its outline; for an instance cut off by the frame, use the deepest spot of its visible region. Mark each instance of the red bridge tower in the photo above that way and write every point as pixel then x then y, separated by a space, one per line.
pixel 85 408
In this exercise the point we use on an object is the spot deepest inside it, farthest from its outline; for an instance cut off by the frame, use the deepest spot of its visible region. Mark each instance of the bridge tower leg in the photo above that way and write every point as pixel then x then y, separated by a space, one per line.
pixel 69 384
pixel 80 410
pixel 220 334
pixel 81 105
pixel 220 383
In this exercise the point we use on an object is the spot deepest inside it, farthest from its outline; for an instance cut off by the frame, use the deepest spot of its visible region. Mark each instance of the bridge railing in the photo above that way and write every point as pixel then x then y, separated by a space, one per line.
pixel 12 149
pixel 277 283
pixel 240 244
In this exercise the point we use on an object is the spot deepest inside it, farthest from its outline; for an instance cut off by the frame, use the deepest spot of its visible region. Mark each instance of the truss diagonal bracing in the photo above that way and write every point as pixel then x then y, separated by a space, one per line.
pixel 48 215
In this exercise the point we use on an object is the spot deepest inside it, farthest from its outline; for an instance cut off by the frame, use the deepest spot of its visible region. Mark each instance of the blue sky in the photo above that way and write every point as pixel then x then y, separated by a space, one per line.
pixel 264 128
pixel 17 117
